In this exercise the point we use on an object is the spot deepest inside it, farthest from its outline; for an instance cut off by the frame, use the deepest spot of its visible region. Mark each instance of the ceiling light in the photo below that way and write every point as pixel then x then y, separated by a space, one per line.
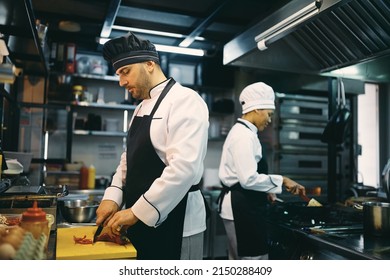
pixel 288 23
pixel 180 50
pixel 154 32
pixel 170 49
pixel 102 41
pixel 350 70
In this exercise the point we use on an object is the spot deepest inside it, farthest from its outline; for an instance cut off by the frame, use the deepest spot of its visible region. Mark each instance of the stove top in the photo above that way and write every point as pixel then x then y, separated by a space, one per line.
pixel 298 215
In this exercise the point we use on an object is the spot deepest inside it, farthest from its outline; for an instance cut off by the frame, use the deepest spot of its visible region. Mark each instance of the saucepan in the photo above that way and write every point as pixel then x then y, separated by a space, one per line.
pixel 376 218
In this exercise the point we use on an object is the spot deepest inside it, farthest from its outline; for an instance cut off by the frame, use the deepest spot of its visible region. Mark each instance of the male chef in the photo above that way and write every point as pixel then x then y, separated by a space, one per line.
pixel 158 174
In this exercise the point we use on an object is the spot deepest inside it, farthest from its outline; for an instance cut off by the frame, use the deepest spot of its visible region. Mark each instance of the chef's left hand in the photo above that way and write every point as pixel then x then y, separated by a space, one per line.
pixel 271 197
pixel 121 221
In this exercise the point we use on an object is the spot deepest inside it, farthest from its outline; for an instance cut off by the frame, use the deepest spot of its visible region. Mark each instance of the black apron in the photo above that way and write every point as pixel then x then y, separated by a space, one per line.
pixel 143 167
pixel 249 212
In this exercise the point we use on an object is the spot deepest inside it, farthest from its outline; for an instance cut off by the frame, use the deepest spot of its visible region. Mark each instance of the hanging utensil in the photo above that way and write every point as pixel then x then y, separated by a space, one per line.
pixel 386 179
pixel 337 127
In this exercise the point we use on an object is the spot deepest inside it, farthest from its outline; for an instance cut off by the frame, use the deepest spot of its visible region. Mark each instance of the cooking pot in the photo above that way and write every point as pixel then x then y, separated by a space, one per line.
pixel 376 218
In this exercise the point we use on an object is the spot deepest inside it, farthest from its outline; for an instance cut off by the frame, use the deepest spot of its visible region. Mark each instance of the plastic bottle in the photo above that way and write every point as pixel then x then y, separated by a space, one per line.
pixel 1 164
pixel 91 177
pixel 83 177
pixel 34 220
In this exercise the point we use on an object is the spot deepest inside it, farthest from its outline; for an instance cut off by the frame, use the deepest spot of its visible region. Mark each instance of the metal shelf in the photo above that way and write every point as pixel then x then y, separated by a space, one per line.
pixel 99 133
pixel 22 39
pixel 97 77
pixel 60 172
pixel 104 106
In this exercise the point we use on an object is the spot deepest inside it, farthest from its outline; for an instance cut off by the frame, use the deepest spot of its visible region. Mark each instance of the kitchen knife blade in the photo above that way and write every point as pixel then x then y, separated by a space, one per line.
pixel 97 233
pixel 100 228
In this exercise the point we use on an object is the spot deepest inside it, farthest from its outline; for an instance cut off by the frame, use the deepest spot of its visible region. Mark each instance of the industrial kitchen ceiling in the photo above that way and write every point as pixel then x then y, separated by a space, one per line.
pixel 339 38
pixel 341 34
pixel 200 24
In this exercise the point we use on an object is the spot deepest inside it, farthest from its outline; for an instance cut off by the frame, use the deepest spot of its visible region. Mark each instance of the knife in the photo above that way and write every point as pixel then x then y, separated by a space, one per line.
pixel 97 232
pixel 100 227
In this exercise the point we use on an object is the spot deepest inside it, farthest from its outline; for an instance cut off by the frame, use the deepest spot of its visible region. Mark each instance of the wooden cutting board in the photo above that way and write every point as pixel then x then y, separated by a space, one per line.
pixel 67 250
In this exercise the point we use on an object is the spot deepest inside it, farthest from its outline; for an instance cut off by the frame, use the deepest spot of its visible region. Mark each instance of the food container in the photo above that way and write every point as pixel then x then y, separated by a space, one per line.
pixel 111 124
pixel 10 220
pixel 23 158
pixel 376 218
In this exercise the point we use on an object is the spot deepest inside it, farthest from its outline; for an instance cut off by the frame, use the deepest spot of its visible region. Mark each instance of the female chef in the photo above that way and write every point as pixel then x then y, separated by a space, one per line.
pixel 243 174
pixel 159 173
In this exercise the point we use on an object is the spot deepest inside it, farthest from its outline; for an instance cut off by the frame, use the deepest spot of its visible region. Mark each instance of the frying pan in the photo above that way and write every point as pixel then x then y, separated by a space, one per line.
pixel 337 127
pixel 301 211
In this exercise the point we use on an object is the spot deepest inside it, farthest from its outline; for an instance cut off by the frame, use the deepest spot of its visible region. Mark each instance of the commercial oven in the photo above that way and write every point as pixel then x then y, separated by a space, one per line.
pixel 293 142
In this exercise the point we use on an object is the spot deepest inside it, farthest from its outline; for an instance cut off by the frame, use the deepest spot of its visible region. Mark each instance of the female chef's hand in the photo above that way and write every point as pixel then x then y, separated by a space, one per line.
pixel 105 211
pixel 121 221
pixel 293 187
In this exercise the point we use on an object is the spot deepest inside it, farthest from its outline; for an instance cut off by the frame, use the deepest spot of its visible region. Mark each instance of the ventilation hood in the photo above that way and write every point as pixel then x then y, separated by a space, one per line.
pixel 341 38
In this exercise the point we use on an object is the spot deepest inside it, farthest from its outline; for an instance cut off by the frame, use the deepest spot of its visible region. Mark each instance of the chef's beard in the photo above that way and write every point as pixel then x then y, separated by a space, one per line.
pixel 141 88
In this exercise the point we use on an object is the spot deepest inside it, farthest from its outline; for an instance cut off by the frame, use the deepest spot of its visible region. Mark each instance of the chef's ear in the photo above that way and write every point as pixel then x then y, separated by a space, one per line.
pixel 150 65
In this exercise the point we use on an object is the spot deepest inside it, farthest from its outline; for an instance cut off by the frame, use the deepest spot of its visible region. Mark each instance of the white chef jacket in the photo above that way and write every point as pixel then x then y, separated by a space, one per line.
pixel 180 140
pixel 241 152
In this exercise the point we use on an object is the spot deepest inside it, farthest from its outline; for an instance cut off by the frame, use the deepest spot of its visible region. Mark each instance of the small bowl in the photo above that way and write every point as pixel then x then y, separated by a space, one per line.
pixel 78 211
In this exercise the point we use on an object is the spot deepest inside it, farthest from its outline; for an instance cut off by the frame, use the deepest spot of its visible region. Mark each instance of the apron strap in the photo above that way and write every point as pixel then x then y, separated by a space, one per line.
pixel 224 191
pixel 163 94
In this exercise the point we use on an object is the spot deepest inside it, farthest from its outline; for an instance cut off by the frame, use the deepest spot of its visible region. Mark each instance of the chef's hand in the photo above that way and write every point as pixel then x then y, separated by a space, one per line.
pixel 121 221
pixel 293 187
pixel 271 197
pixel 105 211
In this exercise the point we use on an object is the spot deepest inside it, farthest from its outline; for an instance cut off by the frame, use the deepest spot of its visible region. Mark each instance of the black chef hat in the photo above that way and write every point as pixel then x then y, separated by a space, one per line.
pixel 129 49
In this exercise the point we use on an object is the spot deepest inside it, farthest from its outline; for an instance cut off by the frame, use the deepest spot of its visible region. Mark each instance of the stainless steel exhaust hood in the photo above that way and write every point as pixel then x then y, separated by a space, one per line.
pixel 349 38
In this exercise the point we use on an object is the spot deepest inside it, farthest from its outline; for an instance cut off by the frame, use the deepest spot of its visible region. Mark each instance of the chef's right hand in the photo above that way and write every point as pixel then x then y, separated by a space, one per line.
pixel 105 211
pixel 293 187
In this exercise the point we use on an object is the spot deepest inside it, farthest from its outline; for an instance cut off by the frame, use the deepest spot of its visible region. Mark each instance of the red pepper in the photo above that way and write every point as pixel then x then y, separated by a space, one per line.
pixel 82 240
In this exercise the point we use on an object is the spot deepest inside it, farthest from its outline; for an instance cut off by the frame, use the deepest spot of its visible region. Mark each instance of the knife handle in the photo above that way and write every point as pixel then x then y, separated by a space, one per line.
pixel 304 197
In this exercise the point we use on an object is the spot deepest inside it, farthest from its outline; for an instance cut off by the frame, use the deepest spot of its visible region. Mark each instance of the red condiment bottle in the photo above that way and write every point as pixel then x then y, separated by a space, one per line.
pixel 34 220
pixel 83 177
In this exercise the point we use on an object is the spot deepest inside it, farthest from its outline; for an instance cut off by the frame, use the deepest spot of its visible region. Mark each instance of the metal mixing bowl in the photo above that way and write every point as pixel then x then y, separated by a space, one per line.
pixel 78 211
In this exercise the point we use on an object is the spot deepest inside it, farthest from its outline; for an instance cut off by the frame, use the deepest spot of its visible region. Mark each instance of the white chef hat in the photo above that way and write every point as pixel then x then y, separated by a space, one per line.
pixel 257 96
